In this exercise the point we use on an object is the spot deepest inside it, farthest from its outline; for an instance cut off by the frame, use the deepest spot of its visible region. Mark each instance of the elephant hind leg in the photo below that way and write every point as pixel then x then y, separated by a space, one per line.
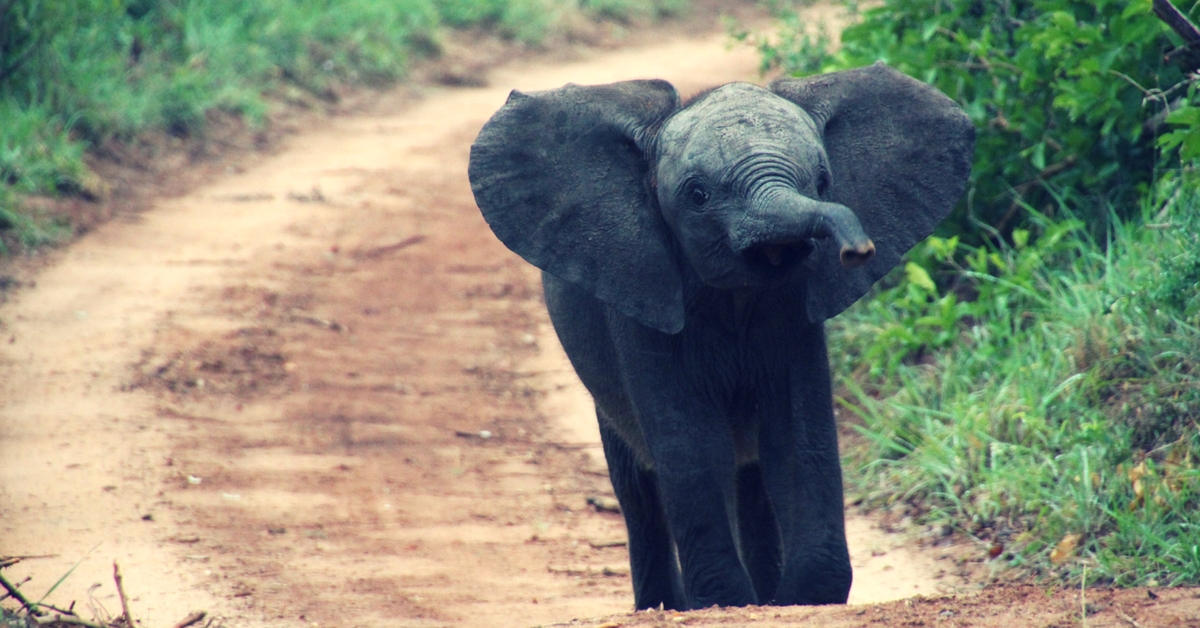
pixel 758 533
pixel 652 562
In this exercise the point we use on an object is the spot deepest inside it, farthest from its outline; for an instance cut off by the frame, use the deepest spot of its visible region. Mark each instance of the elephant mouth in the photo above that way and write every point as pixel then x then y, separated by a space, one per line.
pixel 777 258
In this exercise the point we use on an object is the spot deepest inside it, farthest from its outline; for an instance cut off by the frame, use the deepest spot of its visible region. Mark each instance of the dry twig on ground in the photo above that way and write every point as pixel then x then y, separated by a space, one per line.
pixel 121 594
pixel 194 618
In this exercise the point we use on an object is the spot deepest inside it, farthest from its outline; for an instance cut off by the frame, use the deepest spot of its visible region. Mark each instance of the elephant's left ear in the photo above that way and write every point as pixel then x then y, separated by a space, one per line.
pixel 900 153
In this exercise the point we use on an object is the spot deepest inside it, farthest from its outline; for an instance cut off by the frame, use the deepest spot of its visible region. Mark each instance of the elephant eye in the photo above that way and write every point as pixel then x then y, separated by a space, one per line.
pixel 697 194
pixel 822 184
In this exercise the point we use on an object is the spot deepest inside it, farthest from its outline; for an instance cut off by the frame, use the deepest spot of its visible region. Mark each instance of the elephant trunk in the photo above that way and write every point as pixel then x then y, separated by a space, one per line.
pixel 783 225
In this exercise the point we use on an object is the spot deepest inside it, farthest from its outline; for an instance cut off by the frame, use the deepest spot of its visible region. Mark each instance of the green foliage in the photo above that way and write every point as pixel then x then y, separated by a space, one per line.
pixel 469 12
pixel 799 48
pixel 1052 388
pixel 625 10
pixel 1061 91
pixel 917 317
pixel 530 21
pixel 78 73
pixel 37 158
pixel 17 230
pixel 1185 122
pixel 527 21
pixel 118 68
pixel 75 74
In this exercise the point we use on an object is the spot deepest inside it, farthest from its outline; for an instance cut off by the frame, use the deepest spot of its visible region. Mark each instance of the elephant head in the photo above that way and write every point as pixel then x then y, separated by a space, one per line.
pixel 623 191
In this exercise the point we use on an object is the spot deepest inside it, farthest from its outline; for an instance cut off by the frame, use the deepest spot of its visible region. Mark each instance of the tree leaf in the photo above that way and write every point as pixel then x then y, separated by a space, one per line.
pixel 919 277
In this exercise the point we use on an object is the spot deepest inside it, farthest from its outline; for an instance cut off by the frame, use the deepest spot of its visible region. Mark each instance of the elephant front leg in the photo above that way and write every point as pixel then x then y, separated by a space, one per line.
pixel 816 560
pixel 651 558
pixel 798 452
pixel 697 490
pixel 691 446
pixel 758 531
pixel 694 464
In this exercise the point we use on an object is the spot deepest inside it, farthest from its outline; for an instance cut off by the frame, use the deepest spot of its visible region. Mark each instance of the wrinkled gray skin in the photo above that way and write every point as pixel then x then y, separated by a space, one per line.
pixel 743 190
pixel 691 254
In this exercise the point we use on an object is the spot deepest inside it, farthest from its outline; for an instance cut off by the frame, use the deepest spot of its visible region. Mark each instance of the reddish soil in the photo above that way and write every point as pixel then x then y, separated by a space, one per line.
pixel 317 391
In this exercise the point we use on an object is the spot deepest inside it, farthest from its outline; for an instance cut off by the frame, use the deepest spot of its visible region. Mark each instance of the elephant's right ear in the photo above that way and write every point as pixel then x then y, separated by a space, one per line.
pixel 900 155
pixel 562 177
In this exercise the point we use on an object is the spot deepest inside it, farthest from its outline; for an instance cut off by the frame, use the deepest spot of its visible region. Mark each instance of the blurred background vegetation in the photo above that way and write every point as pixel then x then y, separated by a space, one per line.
pixel 76 74
pixel 1030 376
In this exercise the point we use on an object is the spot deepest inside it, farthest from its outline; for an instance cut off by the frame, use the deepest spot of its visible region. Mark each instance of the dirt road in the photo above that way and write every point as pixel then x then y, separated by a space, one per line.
pixel 319 392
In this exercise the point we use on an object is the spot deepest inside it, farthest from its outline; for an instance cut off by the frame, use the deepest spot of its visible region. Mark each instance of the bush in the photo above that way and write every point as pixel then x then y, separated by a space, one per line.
pixel 630 9
pixel 1064 93
pixel 1052 393
pixel 461 13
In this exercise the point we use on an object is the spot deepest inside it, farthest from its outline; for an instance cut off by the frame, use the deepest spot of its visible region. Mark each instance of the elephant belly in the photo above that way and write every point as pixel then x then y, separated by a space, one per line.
pixel 735 380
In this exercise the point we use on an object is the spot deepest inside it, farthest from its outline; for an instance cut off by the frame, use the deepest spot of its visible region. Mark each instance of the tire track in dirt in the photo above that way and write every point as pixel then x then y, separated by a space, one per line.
pixel 315 393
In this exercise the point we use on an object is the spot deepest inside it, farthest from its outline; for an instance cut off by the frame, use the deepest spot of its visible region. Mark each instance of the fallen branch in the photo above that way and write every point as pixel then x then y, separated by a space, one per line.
pixel 194 618
pixel 63 611
pixel 18 596
pixel 9 561
pixel 17 585
pixel 331 325
pixel 380 251
pixel 610 543
pixel 121 594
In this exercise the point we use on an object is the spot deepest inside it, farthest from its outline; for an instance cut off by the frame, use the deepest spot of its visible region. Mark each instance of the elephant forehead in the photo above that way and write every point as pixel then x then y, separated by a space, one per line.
pixel 735 120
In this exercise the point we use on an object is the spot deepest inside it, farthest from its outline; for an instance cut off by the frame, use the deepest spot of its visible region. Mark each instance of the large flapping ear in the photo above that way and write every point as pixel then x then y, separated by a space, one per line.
pixel 562 177
pixel 900 153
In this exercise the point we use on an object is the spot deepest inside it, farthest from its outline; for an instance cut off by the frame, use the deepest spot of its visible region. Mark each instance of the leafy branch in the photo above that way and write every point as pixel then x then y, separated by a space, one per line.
pixel 1182 27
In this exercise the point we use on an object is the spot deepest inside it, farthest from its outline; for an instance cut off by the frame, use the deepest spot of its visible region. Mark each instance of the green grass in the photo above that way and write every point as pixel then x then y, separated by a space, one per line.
pixel 76 74
pixel 624 10
pixel 1040 391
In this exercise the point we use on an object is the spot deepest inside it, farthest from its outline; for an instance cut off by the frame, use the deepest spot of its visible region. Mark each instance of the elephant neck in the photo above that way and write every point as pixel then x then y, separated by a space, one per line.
pixel 734 310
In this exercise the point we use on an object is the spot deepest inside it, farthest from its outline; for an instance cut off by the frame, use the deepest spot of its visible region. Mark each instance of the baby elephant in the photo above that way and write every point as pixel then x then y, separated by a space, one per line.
pixel 690 254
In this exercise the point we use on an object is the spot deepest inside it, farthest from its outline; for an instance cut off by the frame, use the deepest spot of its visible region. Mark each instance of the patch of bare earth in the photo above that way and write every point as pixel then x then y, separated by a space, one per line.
pixel 994 607
pixel 317 391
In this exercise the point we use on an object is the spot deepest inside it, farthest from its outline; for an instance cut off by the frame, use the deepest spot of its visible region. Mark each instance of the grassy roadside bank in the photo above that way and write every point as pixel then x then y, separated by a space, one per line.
pixel 78 76
pixel 1030 377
